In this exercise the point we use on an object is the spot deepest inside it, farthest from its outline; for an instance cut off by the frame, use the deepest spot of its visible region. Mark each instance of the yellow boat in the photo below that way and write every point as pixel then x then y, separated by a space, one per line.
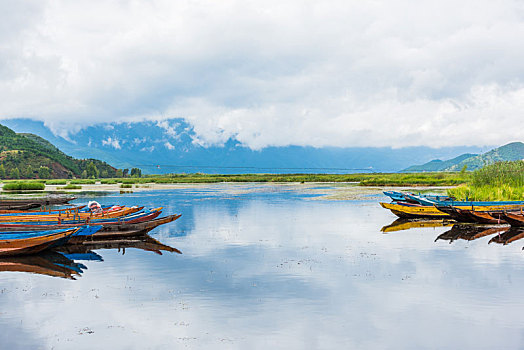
pixel 413 211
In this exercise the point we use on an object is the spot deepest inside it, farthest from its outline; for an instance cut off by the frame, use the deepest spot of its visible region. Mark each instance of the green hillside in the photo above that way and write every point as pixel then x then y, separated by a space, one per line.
pixel 510 152
pixel 440 165
pixel 28 156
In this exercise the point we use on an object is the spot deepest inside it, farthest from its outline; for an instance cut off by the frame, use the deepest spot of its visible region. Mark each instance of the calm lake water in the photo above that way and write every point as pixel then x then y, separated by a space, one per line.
pixel 272 266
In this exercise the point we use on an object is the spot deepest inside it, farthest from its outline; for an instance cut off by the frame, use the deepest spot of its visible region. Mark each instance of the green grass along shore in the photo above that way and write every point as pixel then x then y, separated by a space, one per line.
pixel 376 179
pixel 499 181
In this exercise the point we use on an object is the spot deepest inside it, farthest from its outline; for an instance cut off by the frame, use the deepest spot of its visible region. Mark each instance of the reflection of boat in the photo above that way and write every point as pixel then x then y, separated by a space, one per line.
pixel 50 264
pixel 510 235
pixel 144 242
pixel 87 256
pixel 405 224
pixel 469 232
pixel 62 263
pixel 125 230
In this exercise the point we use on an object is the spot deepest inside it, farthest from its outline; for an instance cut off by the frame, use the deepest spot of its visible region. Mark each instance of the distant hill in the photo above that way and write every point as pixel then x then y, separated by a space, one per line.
pixel 30 156
pixel 511 151
pixel 440 165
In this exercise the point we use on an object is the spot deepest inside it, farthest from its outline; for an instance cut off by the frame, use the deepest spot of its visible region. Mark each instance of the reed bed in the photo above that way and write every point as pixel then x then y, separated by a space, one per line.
pixel 498 181
pixel 24 186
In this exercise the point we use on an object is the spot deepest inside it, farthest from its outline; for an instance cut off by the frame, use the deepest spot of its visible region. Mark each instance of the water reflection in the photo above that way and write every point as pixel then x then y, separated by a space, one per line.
pixel 469 232
pixel 406 224
pixel 143 242
pixel 51 264
pixel 263 267
pixel 510 235
pixel 63 262
pixel 460 231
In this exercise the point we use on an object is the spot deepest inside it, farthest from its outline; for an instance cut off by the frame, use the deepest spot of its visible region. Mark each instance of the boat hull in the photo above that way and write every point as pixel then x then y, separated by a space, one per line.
pixel 34 244
pixel 414 211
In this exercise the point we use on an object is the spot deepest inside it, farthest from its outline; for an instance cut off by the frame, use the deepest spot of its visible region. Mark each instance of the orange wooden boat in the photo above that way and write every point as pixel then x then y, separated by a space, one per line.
pixel 36 243
pixel 43 212
pixel 514 219
pixel 70 216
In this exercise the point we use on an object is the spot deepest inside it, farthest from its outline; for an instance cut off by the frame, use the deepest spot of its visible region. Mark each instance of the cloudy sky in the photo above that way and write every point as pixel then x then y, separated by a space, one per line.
pixel 326 73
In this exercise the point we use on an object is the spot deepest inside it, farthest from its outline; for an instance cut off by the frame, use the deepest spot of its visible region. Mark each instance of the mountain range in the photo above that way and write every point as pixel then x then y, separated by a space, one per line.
pixel 171 146
pixel 510 152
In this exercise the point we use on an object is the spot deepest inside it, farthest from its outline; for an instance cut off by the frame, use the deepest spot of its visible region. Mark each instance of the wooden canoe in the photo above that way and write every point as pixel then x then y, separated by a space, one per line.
pixel 34 243
pixel 480 217
pixel 69 216
pixel 405 210
pixel 514 219
pixel 19 207
pixel 107 223
pixel 48 200
pixel 124 230
pixel 43 212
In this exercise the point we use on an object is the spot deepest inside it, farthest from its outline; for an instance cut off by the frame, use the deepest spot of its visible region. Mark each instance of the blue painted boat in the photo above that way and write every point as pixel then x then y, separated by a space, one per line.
pixel 432 200
pixel 123 219
pixel 404 197
pixel 78 231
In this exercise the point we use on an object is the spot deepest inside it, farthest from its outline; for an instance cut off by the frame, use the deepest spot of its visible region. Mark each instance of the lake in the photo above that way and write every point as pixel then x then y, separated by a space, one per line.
pixel 272 266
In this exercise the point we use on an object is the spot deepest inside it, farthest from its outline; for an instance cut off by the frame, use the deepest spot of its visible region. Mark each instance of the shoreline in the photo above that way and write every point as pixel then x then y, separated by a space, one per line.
pixel 319 190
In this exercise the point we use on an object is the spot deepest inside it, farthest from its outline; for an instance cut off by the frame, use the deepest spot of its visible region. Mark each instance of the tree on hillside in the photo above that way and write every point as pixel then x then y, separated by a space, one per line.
pixel 15 173
pixel 28 173
pixel 92 171
pixel 2 171
pixel 119 173
pixel 125 172
pixel 44 172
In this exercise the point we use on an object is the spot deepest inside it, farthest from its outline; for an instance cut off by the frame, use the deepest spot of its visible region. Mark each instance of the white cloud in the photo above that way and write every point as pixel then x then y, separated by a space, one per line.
pixel 169 146
pixel 148 149
pixel 335 73
pixel 138 141
pixel 113 142
pixel 169 130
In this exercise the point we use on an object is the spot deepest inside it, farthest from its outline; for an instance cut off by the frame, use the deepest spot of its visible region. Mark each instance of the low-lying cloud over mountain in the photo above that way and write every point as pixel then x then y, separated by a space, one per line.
pixel 173 146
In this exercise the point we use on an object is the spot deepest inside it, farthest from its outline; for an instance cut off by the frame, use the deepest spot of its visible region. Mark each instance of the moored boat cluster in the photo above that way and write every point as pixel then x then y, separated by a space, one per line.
pixel 412 206
pixel 28 231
